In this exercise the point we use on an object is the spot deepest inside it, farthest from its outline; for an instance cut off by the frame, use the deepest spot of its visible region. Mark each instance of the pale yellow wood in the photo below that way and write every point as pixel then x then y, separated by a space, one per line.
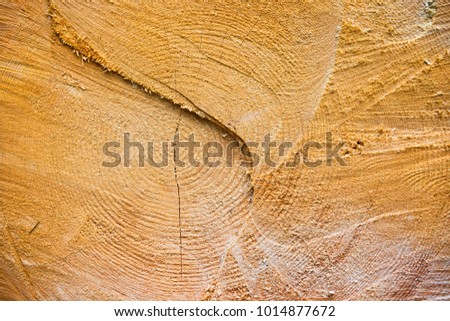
pixel 77 75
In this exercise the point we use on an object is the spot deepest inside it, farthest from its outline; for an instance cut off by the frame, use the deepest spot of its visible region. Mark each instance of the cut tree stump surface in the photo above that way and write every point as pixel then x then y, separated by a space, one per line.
pixel 74 76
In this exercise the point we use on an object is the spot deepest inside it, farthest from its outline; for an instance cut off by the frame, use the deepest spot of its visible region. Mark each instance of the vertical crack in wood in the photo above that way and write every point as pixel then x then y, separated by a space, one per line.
pixel 178 194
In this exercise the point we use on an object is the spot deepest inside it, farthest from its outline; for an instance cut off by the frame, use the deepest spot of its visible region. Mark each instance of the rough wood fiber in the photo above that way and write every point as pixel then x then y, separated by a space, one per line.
pixel 74 76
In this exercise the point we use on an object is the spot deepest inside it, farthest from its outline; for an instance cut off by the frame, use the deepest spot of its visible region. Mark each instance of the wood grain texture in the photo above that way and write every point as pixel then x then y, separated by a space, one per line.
pixel 77 75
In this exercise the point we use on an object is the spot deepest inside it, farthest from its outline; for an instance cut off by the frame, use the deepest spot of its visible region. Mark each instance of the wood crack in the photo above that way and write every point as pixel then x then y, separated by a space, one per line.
pixel 177 132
